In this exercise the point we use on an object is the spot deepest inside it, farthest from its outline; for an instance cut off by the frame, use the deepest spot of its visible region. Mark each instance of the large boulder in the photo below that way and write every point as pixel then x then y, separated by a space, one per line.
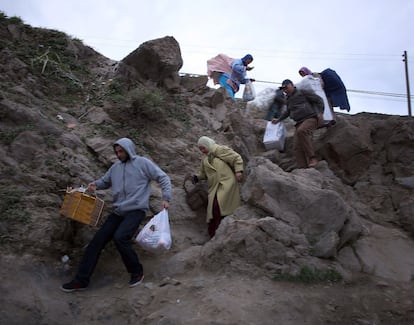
pixel 360 147
pixel 348 148
pixel 299 199
pixel 157 61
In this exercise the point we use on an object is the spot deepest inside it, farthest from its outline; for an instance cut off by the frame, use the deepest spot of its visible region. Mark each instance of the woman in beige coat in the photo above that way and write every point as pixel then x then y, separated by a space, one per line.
pixel 222 167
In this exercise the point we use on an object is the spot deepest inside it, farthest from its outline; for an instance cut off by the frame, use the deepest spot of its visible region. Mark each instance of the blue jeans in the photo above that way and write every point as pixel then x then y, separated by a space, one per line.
pixel 121 229
pixel 225 85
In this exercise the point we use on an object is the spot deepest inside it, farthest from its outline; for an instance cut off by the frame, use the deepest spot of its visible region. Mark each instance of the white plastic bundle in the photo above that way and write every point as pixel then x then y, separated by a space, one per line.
pixel 156 234
pixel 275 135
pixel 249 92
pixel 313 84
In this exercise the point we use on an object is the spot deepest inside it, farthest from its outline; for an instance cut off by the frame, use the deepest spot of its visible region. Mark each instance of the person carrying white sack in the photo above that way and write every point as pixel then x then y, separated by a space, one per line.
pixel 304 107
pixel 313 82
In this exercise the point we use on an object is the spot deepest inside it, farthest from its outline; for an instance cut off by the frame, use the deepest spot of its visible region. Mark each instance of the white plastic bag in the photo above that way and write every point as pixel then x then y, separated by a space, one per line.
pixel 156 235
pixel 275 135
pixel 314 84
pixel 249 93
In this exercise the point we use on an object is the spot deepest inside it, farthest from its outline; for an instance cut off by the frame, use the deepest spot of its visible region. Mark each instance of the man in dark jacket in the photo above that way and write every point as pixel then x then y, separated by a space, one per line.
pixel 303 107
pixel 130 180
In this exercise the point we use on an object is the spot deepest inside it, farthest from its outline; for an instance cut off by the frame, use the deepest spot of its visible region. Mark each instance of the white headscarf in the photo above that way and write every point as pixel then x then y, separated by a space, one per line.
pixel 206 142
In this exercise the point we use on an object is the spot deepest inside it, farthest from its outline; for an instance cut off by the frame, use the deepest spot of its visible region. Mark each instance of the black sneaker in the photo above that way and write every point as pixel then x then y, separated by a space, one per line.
pixel 73 286
pixel 135 280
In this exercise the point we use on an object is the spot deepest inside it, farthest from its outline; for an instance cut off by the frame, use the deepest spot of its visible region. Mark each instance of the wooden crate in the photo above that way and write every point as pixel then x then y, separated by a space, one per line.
pixel 82 207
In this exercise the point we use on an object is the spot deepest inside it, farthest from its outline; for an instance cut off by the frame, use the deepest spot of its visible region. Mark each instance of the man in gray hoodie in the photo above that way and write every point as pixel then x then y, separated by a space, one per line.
pixel 130 179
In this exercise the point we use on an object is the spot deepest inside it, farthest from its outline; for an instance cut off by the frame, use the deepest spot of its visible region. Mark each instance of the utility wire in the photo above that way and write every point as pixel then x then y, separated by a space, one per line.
pixel 367 92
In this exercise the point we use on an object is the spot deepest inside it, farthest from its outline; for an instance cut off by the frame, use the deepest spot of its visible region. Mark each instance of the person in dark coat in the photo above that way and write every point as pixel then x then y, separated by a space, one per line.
pixel 335 89
pixel 303 107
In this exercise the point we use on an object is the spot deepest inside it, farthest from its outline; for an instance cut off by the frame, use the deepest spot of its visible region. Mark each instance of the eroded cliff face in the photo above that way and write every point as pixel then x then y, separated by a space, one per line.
pixel 62 105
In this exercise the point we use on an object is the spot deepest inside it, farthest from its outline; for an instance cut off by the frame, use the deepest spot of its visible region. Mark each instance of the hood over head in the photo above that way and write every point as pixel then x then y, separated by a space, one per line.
pixel 247 57
pixel 206 142
pixel 305 71
pixel 128 146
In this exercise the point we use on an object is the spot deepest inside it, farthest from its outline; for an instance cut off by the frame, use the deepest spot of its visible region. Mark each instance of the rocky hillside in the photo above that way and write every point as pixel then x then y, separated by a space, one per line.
pixel 331 244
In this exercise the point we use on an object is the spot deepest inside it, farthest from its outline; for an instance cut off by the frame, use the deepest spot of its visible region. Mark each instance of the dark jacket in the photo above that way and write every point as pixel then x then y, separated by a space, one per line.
pixel 335 89
pixel 277 106
pixel 302 105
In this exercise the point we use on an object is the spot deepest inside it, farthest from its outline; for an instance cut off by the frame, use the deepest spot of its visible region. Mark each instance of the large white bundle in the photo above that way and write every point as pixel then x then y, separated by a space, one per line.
pixel 262 102
pixel 312 83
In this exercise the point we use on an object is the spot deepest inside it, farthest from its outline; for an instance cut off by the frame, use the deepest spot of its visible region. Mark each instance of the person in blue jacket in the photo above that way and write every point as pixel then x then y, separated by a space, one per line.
pixel 130 179
pixel 231 82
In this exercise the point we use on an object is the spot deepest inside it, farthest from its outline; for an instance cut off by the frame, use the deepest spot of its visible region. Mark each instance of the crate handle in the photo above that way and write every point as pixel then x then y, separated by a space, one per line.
pixel 83 190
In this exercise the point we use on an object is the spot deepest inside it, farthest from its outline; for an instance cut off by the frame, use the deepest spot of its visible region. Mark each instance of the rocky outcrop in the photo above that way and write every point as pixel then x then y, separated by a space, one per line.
pixel 157 61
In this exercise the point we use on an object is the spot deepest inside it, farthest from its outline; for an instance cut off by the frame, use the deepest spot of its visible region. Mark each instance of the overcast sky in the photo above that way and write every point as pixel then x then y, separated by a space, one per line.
pixel 363 40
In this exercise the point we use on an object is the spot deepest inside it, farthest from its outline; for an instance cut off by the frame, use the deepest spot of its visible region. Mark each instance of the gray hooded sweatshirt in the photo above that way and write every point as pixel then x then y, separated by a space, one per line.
pixel 131 181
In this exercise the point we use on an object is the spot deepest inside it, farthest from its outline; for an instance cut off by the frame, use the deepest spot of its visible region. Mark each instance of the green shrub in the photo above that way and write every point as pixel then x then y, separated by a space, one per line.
pixel 15 20
pixel 10 20
pixel 308 275
pixel 147 104
pixel 116 92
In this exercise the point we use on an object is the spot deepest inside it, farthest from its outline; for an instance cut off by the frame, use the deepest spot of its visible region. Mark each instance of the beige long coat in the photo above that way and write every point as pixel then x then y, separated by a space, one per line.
pixel 219 168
